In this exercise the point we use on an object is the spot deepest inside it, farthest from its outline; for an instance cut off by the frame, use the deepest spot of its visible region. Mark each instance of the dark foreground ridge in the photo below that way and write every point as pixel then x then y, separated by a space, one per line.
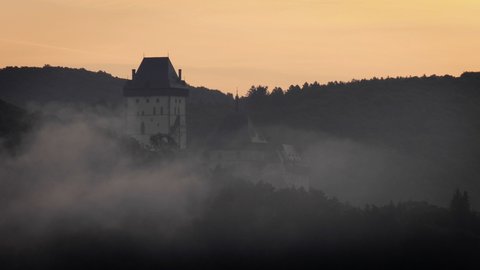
pixel 247 225
pixel 239 224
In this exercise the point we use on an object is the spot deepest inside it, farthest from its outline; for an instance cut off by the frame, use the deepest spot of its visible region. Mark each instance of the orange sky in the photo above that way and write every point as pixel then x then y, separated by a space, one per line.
pixel 227 44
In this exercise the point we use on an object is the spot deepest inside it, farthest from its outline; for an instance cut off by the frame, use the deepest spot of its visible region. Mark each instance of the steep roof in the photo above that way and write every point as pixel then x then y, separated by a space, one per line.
pixel 155 76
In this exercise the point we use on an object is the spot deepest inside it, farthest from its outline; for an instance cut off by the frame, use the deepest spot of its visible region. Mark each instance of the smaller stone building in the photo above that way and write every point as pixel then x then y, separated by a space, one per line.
pixel 238 147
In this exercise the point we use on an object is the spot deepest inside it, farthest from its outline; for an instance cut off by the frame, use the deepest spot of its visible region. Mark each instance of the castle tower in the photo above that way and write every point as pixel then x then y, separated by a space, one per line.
pixel 155 101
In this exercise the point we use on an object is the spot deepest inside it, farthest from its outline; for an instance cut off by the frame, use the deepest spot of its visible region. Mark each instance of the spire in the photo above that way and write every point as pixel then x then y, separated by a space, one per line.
pixel 236 102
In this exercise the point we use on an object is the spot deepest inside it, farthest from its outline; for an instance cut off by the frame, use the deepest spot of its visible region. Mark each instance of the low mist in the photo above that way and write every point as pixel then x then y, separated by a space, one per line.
pixel 76 191
pixel 365 172
pixel 71 174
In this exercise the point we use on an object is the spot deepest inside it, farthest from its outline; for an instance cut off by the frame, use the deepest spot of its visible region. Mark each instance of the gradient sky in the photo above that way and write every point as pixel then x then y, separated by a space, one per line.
pixel 228 44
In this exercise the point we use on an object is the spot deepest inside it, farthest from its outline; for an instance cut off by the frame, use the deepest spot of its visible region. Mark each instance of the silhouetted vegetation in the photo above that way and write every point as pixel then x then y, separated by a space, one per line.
pixel 401 111
pixel 244 224
pixel 24 85
pixel 251 225
pixel 14 122
pixel 460 209
pixel 433 119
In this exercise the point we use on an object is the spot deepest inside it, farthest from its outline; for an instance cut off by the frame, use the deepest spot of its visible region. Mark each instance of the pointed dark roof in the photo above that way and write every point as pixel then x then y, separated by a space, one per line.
pixel 156 76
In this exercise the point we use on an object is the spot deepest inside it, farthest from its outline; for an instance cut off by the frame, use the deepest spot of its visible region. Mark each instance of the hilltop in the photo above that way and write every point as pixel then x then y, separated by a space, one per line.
pixel 400 137
pixel 22 85
pixel 407 137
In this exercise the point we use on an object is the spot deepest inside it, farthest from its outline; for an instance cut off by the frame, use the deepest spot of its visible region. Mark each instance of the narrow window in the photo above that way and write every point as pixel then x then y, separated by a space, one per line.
pixel 158 100
pixel 148 100
pixel 154 111
pixel 161 110
pixel 142 128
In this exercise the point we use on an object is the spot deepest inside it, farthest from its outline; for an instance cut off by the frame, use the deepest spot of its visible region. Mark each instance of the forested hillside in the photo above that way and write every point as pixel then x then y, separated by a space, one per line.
pixel 22 85
pixel 420 132
pixel 13 123
pixel 385 156
pixel 426 128
pixel 435 116
pixel 26 85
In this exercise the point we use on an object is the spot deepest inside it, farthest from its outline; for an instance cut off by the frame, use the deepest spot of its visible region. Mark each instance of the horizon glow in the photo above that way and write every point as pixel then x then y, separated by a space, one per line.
pixel 228 44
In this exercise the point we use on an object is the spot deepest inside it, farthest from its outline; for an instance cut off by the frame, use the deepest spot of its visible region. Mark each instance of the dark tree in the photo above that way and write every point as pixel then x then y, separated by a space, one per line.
pixel 277 92
pixel 257 92
pixel 460 208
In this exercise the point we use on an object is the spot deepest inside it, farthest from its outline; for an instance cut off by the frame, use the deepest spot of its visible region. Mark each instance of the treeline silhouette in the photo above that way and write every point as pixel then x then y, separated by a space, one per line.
pixel 394 109
pixel 428 119
pixel 79 87
pixel 255 225
pixel 22 85
pixel 14 123
pixel 432 119
pixel 412 113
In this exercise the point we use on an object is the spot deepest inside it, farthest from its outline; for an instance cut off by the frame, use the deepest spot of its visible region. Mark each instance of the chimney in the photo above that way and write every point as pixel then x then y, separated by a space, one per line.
pixel 180 74
pixel 133 73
